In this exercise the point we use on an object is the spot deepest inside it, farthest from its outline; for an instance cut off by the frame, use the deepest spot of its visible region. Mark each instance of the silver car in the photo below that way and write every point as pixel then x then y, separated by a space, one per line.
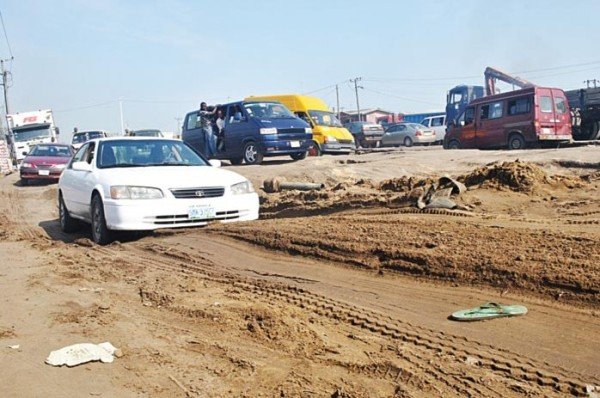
pixel 408 134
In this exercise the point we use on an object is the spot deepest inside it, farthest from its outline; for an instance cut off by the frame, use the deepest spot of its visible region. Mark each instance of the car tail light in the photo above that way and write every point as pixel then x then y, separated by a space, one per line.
pixel 419 133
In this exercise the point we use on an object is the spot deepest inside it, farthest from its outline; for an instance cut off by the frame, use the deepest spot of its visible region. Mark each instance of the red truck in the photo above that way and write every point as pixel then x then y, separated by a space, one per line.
pixel 513 120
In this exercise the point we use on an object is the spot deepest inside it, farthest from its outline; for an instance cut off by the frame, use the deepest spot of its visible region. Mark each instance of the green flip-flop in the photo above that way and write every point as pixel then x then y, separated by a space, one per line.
pixel 489 311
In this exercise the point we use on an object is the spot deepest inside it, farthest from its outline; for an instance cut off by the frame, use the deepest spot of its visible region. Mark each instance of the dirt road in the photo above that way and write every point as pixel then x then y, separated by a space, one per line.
pixel 351 300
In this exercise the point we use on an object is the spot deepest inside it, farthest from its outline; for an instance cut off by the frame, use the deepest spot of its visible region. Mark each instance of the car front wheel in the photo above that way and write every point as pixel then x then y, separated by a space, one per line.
pixel 298 156
pixel 100 232
pixel 408 141
pixel 252 154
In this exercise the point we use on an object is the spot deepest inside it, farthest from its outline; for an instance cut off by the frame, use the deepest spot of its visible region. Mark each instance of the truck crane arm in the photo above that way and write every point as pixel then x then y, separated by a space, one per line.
pixel 493 74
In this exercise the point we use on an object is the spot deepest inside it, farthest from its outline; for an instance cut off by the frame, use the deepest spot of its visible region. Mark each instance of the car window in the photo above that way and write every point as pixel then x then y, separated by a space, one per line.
pixel 519 106
pixel 436 121
pixel 402 127
pixel 89 154
pixel 425 122
pixel 392 129
pixel 469 115
pixel 561 106
pixel 192 121
pixel 546 104
pixel 51 150
pixel 148 152
pixel 78 157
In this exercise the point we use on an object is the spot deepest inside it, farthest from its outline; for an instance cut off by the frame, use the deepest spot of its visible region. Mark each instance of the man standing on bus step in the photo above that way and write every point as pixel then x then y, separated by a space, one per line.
pixel 206 125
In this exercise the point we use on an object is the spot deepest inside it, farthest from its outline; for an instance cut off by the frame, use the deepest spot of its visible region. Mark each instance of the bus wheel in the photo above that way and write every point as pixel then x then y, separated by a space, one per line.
pixel 453 145
pixel 516 141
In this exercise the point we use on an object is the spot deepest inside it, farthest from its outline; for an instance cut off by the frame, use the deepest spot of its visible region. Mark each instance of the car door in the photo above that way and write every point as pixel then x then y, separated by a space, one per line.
pixel 468 128
pixel 192 133
pixel 69 183
pixel 85 182
pixel 490 128
pixel 389 136
pixel 237 128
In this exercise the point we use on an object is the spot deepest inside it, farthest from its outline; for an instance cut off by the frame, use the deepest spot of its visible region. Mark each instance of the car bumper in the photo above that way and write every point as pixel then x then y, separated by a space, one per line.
pixel 138 215
pixel 34 174
pixel 425 140
pixel 555 137
pixel 329 147
pixel 273 148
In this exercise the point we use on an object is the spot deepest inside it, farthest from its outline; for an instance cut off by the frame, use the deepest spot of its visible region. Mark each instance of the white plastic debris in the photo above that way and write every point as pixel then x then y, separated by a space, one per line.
pixel 14 347
pixel 77 354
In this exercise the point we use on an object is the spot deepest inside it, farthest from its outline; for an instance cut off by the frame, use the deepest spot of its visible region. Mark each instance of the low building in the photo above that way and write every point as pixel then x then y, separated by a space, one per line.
pixel 372 115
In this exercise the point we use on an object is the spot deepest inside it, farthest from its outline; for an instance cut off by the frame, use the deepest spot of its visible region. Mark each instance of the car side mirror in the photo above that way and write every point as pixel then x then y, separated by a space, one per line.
pixel 214 162
pixel 81 166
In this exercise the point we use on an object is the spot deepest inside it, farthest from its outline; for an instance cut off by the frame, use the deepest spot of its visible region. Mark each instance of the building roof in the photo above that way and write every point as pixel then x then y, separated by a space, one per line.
pixel 367 111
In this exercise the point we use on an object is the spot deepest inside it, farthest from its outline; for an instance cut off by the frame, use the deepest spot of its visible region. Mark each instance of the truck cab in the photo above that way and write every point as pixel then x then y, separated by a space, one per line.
pixel 458 98
pixel 329 136
pixel 31 128
pixel 251 130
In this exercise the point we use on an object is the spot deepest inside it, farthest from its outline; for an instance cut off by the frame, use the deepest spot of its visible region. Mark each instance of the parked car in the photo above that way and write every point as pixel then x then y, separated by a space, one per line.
pixel 408 134
pixel 147 133
pixel 437 124
pixel 82 137
pixel 512 120
pixel 366 135
pixel 132 184
pixel 329 136
pixel 253 130
pixel 45 162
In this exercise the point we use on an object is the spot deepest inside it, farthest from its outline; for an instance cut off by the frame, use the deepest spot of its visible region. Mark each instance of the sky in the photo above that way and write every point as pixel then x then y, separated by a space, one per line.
pixel 160 59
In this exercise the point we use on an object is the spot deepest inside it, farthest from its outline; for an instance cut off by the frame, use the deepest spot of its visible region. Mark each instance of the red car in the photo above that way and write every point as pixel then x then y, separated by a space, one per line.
pixel 45 162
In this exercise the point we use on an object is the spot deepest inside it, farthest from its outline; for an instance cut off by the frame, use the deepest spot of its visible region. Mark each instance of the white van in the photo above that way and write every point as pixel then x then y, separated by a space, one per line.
pixel 438 124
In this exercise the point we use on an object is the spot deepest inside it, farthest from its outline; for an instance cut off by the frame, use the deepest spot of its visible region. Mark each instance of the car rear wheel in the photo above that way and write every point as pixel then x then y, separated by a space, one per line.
pixel 407 141
pixel 67 223
pixel 100 232
pixel 314 149
pixel 298 156
pixel 516 141
pixel 252 154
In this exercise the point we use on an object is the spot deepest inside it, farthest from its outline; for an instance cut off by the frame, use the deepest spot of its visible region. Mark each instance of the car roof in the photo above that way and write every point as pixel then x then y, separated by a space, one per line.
pixel 131 138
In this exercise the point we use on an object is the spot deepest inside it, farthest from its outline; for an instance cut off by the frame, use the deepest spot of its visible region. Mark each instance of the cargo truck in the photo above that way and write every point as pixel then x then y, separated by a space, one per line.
pixel 30 128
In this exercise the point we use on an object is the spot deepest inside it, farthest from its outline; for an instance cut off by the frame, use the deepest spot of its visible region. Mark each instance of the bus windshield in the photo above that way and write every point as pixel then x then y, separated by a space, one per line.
pixel 324 118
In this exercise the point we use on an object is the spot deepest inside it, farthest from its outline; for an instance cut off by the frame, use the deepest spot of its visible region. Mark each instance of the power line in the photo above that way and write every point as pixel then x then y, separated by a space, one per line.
pixel 85 107
pixel 6 36
pixel 399 97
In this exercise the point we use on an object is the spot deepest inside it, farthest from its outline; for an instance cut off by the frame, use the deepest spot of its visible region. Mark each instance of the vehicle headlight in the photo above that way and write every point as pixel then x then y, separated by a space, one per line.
pixel 242 188
pixel 270 130
pixel 330 139
pixel 308 130
pixel 27 165
pixel 129 192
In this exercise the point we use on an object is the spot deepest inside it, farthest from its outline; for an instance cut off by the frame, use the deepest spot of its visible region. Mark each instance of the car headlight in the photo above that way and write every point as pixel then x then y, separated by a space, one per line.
pixel 270 130
pixel 27 165
pixel 242 188
pixel 308 130
pixel 330 139
pixel 129 192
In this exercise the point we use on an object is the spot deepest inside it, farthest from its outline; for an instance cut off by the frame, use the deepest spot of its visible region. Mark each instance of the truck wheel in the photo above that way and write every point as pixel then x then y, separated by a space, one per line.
pixel 252 154
pixel 236 161
pixel 516 141
pixel 67 223
pixel 298 156
pixel 100 232
pixel 407 141
pixel 453 145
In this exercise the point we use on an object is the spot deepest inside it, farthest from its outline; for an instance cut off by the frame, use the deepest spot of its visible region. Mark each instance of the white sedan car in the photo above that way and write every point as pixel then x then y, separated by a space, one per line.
pixel 132 184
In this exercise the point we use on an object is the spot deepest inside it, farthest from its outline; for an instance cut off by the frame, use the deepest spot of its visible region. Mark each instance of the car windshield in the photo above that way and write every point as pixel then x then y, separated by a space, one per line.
pixel 31 133
pixel 148 152
pixel 51 150
pixel 79 138
pixel 147 133
pixel 324 118
pixel 268 110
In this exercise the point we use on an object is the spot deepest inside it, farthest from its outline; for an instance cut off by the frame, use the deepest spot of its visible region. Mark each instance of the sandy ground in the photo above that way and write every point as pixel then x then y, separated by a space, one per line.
pixel 343 292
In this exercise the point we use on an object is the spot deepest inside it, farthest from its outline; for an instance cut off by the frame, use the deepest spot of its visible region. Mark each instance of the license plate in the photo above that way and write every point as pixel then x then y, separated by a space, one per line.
pixel 201 212
pixel 44 172
pixel 546 130
pixel 295 144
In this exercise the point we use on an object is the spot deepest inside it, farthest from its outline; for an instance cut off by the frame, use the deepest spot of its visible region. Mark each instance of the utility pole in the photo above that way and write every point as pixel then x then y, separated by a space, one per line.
pixel 178 125
pixel 594 81
pixel 4 72
pixel 356 87
pixel 121 113
pixel 337 98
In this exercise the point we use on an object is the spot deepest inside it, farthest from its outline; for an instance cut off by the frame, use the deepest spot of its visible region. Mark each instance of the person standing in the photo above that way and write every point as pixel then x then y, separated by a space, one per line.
pixel 220 124
pixel 206 125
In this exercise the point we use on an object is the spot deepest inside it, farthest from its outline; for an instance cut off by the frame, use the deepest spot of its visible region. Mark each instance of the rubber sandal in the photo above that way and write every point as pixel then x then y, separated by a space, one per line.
pixel 489 311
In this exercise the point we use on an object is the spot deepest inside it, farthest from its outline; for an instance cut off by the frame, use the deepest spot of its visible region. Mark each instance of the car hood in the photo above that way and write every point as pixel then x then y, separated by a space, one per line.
pixel 339 133
pixel 171 176
pixel 46 160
